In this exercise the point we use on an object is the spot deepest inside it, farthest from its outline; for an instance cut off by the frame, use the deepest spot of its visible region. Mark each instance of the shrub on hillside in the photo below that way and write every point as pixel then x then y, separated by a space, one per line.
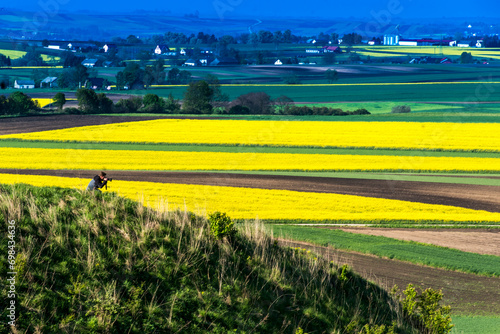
pixel 221 225
pixel 400 109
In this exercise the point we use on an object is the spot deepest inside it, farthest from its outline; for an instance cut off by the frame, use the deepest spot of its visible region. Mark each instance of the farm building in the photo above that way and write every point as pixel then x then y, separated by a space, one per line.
pixel 89 63
pixel 426 42
pixel 24 84
pixel 330 48
pixel 191 62
pixel 313 51
pixel 49 82
pixel 391 39
pixel 225 61
pixel 161 49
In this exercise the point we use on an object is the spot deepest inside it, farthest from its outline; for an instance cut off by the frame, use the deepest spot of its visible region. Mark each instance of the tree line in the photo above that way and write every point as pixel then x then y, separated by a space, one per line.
pixel 202 97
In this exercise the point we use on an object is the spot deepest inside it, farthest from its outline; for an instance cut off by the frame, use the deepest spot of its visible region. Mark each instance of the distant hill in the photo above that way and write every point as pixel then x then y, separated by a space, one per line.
pixel 89 25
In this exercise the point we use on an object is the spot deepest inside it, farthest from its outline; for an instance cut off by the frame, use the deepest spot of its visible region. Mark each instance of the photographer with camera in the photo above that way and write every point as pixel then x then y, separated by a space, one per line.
pixel 98 182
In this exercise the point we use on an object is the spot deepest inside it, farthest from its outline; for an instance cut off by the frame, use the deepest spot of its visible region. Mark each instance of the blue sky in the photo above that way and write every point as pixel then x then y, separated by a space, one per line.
pixel 372 9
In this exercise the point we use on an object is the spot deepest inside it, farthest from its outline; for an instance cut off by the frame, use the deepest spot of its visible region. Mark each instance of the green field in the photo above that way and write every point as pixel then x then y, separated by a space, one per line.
pixel 410 251
pixel 396 93
pixel 475 325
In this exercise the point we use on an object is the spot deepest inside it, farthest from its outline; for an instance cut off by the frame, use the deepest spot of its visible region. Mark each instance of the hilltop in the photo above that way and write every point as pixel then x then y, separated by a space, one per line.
pixel 101 263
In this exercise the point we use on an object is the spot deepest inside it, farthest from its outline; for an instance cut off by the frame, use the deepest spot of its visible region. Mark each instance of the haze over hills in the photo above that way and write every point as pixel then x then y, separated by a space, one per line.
pixel 18 24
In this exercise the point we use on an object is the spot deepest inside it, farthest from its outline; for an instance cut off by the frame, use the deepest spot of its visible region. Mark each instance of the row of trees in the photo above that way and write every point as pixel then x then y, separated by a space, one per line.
pixel 17 103
pixel 202 97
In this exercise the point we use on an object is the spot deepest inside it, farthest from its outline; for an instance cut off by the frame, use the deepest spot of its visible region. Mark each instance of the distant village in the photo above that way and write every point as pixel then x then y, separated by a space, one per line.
pixel 225 51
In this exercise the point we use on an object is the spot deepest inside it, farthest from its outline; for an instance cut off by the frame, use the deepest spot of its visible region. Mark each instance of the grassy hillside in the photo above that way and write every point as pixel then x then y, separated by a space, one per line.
pixel 90 263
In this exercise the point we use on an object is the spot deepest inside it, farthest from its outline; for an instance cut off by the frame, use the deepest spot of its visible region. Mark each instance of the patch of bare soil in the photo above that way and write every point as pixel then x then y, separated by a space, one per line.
pixel 474 241
pixel 466 293
pixel 54 122
pixel 477 197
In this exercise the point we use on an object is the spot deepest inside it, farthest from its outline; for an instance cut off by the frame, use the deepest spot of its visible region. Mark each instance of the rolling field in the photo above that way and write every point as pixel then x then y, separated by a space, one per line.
pixel 397 173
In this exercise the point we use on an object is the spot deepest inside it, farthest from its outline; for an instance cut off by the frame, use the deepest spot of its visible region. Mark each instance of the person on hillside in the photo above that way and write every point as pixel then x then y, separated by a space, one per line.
pixel 97 182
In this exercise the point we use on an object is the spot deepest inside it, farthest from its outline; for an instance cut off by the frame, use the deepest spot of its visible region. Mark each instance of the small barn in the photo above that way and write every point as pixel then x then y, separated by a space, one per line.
pixel 49 82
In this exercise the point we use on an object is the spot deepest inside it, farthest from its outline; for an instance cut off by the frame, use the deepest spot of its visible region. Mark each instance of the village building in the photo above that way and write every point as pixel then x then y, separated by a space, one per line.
pixel 49 82
pixel 24 84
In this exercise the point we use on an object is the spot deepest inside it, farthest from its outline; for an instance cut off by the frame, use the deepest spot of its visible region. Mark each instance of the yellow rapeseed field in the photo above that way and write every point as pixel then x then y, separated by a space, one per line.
pixel 428 50
pixel 397 135
pixel 36 158
pixel 43 102
pixel 247 203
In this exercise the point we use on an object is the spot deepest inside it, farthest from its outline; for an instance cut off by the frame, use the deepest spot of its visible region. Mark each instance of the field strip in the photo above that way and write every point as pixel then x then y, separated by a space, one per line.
pixel 404 250
pixel 250 203
pixel 475 241
pixel 388 135
pixel 475 197
pixel 34 158
pixel 350 84
pixel 235 149
pixel 467 293
pixel 377 225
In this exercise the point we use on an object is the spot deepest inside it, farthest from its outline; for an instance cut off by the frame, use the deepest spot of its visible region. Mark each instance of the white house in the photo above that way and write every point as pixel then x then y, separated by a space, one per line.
pixel 278 62
pixel 24 84
pixel 108 47
pixel 161 49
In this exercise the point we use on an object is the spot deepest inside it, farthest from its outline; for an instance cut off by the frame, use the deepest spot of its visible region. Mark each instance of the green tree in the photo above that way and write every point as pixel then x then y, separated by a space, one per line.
pixel 256 102
pixel 329 58
pixel 59 100
pixel 331 75
pixel 466 58
pixel 20 103
pixel 4 107
pixel 130 105
pixel 73 77
pixel 218 98
pixel 177 77
pixel 129 75
pixel 153 103
pixel 88 102
pixel 105 105
pixel 172 105
pixel 197 98
pixel 158 71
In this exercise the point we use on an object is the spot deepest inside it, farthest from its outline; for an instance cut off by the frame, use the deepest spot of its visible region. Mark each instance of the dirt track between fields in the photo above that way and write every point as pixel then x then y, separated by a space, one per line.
pixel 474 241
pixel 54 122
pixel 466 293
pixel 477 197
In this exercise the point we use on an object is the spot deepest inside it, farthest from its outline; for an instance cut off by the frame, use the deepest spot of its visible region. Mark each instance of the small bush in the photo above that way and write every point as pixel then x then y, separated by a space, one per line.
pixel 221 225
pixel 73 111
pixel 239 110
pixel 400 109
